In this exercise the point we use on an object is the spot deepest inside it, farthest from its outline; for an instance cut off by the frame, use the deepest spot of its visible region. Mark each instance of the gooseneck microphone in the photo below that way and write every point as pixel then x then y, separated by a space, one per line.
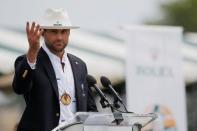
pixel 107 83
pixel 92 83
pixel 118 118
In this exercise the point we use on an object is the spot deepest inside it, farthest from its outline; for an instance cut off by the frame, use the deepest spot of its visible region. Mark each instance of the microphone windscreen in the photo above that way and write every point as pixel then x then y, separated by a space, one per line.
pixel 105 81
pixel 91 80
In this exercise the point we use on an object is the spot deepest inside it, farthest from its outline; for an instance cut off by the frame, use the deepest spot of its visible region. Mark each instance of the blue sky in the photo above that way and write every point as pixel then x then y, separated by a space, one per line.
pixel 90 14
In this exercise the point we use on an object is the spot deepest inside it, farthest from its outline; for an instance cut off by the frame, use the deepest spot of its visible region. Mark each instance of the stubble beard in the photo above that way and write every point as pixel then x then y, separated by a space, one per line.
pixel 55 50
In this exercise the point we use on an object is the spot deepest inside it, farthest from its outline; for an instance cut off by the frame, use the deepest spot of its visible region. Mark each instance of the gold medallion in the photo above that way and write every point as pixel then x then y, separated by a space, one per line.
pixel 65 99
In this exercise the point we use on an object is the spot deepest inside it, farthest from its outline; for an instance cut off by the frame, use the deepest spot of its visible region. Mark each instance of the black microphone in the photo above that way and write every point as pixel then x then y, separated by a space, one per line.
pixel 92 83
pixel 107 83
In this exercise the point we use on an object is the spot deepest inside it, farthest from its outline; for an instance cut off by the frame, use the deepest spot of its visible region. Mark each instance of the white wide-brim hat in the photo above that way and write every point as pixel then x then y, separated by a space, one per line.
pixel 56 19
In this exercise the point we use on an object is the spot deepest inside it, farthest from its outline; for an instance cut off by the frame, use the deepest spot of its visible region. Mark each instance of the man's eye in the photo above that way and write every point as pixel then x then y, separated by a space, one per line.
pixel 53 31
pixel 64 31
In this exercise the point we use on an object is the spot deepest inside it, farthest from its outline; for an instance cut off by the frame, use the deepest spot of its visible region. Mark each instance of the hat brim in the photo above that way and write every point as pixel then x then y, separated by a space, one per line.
pixel 59 27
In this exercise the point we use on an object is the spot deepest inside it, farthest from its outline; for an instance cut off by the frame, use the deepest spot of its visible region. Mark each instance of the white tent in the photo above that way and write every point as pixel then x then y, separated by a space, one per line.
pixel 103 52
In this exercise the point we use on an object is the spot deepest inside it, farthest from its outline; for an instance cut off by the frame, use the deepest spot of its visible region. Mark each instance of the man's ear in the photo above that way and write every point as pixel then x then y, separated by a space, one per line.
pixel 69 32
pixel 43 33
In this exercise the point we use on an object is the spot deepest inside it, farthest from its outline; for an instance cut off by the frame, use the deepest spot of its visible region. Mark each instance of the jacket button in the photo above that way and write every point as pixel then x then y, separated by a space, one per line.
pixel 57 114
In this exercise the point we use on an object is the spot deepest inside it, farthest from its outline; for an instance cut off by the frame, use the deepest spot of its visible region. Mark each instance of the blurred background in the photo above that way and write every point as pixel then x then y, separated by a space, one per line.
pixel 99 42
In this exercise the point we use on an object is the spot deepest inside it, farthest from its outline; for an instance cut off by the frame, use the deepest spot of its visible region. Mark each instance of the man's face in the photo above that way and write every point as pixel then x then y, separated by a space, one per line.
pixel 56 39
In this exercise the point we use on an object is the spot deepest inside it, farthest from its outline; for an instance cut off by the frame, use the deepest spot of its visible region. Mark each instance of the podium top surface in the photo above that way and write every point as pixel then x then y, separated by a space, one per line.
pixel 127 119
pixel 108 119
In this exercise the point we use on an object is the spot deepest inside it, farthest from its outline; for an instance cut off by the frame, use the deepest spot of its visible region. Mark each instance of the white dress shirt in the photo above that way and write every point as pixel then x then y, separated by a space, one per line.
pixel 65 81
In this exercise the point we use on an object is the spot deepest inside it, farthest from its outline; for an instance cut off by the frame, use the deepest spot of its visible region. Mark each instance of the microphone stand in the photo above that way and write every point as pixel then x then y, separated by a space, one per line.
pixel 118 118
pixel 116 104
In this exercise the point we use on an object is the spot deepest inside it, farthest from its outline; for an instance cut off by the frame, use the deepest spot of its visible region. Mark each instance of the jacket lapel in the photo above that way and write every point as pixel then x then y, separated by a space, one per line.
pixel 74 66
pixel 44 59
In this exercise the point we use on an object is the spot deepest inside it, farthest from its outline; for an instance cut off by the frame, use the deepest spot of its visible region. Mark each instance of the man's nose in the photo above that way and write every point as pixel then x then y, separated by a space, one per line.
pixel 59 36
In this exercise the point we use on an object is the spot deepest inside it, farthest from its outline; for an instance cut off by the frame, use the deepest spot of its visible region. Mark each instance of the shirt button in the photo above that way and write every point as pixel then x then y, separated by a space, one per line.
pixel 57 114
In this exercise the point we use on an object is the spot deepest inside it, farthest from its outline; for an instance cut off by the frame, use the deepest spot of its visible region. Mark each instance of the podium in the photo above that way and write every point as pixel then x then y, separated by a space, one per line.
pixel 95 121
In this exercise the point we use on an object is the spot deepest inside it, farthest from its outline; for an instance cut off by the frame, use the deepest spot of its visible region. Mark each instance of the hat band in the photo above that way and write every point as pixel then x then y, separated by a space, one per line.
pixel 57 24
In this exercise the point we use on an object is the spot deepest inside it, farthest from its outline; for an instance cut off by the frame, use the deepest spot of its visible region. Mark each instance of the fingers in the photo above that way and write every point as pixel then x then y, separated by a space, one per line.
pixel 33 30
pixel 37 28
pixel 33 33
pixel 40 32
pixel 27 27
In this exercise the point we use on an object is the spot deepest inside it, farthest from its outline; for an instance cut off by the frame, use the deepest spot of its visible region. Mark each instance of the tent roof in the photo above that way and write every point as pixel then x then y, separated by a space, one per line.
pixel 104 53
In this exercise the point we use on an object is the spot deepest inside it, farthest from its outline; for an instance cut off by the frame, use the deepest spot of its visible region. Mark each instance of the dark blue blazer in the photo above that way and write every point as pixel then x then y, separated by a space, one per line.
pixel 40 91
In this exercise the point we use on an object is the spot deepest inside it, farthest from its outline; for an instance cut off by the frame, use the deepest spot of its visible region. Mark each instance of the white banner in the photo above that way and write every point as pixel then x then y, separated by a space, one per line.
pixel 154 80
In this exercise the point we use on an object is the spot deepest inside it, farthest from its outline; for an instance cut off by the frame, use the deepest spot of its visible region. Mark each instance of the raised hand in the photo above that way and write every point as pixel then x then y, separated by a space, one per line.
pixel 33 35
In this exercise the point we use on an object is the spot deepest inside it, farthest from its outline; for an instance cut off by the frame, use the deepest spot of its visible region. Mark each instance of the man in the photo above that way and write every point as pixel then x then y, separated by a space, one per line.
pixel 52 81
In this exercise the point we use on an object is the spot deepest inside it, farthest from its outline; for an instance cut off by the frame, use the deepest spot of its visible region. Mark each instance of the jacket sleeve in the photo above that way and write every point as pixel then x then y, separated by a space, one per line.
pixel 22 81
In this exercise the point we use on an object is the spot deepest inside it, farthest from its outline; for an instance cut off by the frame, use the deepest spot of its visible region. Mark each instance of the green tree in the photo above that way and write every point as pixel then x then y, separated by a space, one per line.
pixel 179 13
